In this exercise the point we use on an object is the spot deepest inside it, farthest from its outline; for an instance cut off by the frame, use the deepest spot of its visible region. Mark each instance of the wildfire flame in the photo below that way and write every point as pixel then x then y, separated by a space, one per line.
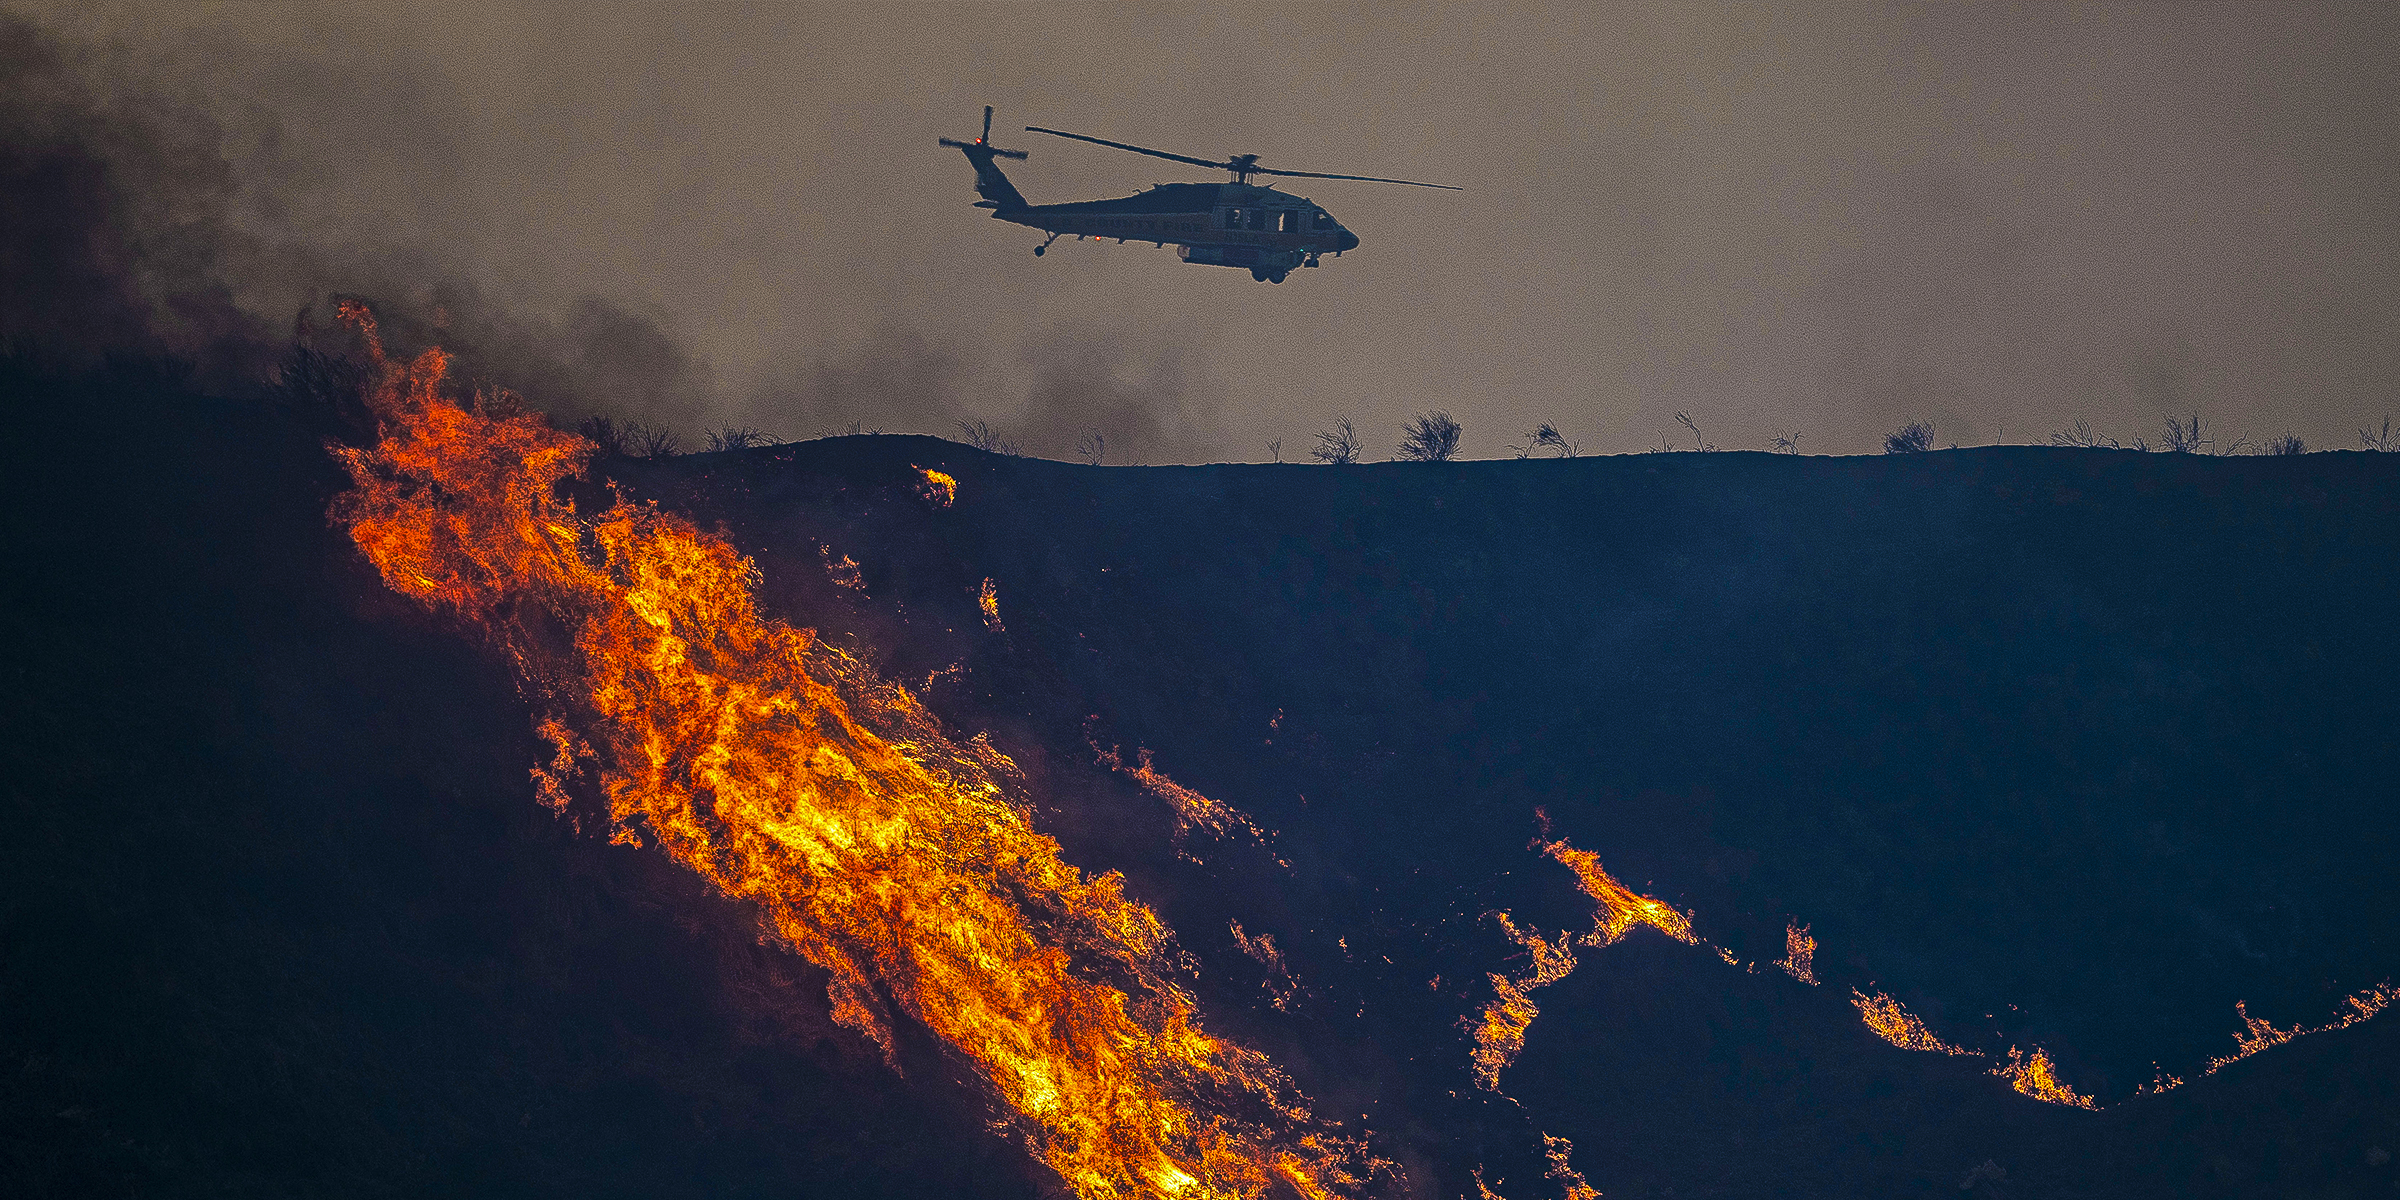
pixel 1559 1151
pixel 2259 1034
pixel 1499 1030
pixel 786 775
pixel 2036 1076
pixel 1620 908
pixel 1899 1026
pixel 988 599
pixel 1799 954
pixel 2029 1072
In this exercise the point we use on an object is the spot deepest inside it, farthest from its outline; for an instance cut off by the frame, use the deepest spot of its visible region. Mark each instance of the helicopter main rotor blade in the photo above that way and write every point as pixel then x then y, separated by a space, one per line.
pixel 1181 158
pixel 1366 178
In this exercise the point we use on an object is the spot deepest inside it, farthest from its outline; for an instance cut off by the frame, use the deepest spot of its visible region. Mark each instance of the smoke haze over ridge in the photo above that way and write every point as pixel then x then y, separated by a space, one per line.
pixel 2004 219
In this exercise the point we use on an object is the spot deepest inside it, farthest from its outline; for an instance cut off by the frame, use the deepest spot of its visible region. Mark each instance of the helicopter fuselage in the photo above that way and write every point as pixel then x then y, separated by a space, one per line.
pixel 1212 224
pixel 1236 224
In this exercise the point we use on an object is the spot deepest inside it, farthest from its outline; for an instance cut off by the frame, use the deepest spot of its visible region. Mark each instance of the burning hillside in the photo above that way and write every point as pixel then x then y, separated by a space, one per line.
pixel 1212 831
pixel 790 778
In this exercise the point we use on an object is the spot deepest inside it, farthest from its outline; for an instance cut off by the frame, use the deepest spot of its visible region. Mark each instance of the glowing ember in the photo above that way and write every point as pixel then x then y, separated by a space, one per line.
pixel 786 775
pixel 1897 1025
pixel 1799 954
pixel 1279 982
pixel 1192 810
pixel 843 571
pixel 2036 1076
pixel 1558 1150
pixel 989 601
pixel 2258 1034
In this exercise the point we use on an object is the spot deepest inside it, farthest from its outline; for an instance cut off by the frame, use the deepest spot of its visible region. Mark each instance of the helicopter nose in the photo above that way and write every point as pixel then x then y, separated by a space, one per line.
pixel 1349 240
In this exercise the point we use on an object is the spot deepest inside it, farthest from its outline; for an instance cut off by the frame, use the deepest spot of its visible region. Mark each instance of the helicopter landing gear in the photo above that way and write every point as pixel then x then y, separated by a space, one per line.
pixel 1037 250
pixel 1267 274
pixel 1312 261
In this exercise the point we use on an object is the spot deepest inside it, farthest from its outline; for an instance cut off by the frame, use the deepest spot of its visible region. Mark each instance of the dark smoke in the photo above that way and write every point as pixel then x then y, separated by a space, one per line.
pixel 159 209
pixel 116 199
pixel 143 220
pixel 1148 402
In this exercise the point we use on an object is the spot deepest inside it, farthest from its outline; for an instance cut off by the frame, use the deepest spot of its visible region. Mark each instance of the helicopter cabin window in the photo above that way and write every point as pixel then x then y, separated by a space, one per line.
pixel 1287 221
pixel 1322 221
pixel 1233 218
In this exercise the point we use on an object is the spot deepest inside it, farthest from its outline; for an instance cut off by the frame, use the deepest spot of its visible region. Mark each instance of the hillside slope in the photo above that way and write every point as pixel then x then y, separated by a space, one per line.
pixel 2097 744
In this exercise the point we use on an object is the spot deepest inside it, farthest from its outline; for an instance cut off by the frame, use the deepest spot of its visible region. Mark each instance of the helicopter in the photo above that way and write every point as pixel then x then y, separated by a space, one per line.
pixel 1236 224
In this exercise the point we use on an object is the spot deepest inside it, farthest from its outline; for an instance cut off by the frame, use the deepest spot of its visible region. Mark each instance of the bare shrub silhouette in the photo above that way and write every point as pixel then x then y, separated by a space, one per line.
pixel 1699 443
pixel 1092 447
pixel 737 437
pixel 612 438
pixel 1275 448
pixel 2185 438
pixel 659 442
pixel 1916 437
pixel 327 391
pixel 1546 436
pixel 2385 441
pixel 2287 444
pixel 1431 437
pixel 1338 446
pixel 979 434
pixel 2081 437
pixel 1784 443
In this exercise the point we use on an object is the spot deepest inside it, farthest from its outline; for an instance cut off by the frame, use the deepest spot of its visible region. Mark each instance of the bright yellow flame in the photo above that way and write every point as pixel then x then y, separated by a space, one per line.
pixel 1620 908
pixel 1499 1030
pixel 2036 1076
pixel 939 488
pixel 989 601
pixel 789 777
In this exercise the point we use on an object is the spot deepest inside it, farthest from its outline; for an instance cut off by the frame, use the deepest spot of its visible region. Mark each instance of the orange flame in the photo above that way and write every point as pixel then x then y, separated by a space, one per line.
pixel 988 599
pixel 1559 1151
pixel 2259 1034
pixel 1499 1030
pixel 1620 907
pixel 1799 953
pixel 781 771
pixel 2036 1076
pixel 1899 1026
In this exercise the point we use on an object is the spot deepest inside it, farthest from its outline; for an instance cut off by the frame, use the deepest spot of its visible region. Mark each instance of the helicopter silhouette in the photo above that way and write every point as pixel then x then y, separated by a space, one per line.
pixel 1236 224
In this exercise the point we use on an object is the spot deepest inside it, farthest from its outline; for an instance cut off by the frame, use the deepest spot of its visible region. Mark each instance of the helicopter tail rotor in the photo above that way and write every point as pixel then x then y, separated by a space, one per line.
pixel 997 192
pixel 983 145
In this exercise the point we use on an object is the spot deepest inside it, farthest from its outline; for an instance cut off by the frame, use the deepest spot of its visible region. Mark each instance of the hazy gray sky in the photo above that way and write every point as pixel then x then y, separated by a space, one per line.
pixel 1826 218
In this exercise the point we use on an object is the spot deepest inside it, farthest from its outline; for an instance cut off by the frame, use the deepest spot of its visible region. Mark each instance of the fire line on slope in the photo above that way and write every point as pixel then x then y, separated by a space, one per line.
pixel 784 773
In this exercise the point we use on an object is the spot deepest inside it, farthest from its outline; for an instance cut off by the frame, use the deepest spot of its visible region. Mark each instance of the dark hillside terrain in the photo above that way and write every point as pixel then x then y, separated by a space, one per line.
pixel 2067 748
